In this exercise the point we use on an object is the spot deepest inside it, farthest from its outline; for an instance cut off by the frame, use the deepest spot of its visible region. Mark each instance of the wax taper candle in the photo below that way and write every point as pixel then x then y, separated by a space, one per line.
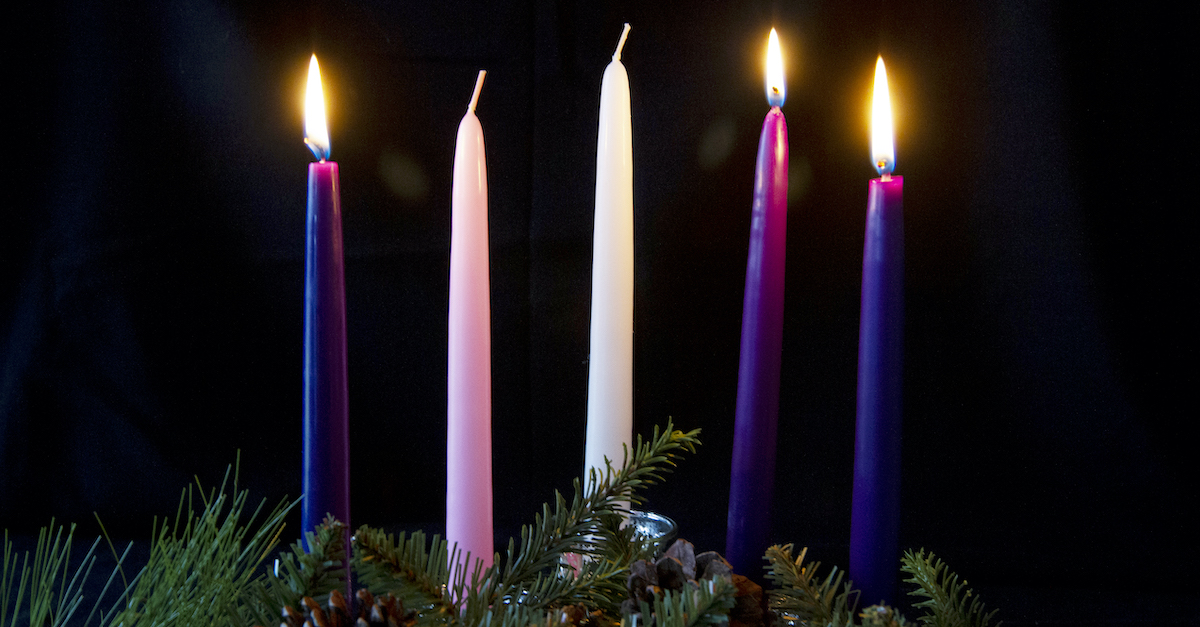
pixel 326 426
pixel 874 518
pixel 469 377
pixel 752 477
pixel 610 364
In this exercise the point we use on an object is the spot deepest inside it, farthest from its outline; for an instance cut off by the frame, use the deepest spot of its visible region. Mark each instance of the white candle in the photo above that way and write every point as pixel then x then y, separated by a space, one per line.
pixel 610 366
pixel 469 378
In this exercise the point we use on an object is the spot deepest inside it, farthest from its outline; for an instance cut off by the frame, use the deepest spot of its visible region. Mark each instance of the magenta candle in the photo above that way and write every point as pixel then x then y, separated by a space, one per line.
pixel 469 372
pixel 752 477
pixel 874 518
pixel 326 482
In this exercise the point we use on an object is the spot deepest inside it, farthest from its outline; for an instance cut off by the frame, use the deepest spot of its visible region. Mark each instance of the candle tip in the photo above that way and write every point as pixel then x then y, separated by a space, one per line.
pixel 621 43
pixel 478 87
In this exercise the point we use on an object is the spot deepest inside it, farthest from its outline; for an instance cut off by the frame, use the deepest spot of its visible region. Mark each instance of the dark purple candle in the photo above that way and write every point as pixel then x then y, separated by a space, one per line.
pixel 326 482
pixel 752 477
pixel 874 518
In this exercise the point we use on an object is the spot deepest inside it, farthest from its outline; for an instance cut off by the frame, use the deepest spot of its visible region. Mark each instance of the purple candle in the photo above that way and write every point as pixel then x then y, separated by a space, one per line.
pixel 752 478
pixel 874 518
pixel 326 482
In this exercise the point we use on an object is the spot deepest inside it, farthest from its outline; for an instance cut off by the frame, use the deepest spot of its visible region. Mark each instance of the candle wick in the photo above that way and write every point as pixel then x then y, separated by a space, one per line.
pixel 621 43
pixel 478 86
pixel 885 177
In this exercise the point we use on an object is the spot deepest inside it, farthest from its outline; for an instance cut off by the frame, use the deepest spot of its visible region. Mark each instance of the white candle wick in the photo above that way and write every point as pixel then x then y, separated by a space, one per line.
pixel 478 86
pixel 621 43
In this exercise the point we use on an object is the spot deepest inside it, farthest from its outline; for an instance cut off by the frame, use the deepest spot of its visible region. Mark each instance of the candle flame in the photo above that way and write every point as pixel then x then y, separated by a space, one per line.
pixel 883 143
pixel 316 130
pixel 776 91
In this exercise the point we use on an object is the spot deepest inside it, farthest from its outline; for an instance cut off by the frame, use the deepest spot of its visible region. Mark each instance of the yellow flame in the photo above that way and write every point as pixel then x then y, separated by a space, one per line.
pixel 776 90
pixel 316 130
pixel 883 143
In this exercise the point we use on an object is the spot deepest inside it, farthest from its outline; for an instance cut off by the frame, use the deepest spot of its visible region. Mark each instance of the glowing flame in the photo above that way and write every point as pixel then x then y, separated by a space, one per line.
pixel 316 131
pixel 883 143
pixel 776 91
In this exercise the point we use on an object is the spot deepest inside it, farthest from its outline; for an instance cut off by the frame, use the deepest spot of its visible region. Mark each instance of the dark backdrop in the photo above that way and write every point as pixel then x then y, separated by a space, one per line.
pixel 152 285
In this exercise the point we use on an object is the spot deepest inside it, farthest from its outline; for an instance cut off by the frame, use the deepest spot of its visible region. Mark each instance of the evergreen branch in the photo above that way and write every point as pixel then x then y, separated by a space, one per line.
pixel 599 584
pixel 882 616
pixel 530 576
pixel 800 594
pixel 51 599
pixel 201 568
pixel 709 604
pixel 313 573
pixel 948 602
pixel 410 569
pixel 520 615
pixel 575 527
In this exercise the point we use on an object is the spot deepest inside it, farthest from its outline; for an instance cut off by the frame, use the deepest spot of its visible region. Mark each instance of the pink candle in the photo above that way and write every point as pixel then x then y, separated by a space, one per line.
pixel 469 378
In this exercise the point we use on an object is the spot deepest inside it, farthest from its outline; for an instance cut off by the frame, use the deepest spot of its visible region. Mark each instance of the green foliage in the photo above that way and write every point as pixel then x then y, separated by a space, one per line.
pixel 299 573
pixel 882 616
pixel 708 604
pixel 201 569
pixel 801 594
pixel 204 569
pixel 49 599
pixel 948 602
pixel 410 568
pixel 531 578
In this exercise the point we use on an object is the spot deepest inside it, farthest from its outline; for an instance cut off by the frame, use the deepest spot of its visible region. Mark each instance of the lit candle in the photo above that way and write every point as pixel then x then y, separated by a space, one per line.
pixel 326 427
pixel 874 518
pixel 469 379
pixel 753 474
pixel 610 364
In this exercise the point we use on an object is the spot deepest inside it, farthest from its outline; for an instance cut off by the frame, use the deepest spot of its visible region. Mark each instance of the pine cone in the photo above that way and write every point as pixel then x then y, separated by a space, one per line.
pixel 679 567
pixel 336 614
pixel 382 611
pixel 579 615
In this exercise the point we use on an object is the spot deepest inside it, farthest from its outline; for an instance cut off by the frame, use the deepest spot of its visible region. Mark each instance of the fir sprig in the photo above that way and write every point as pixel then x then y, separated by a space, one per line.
pixel 312 573
pixel 578 527
pixel 801 594
pixel 49 598
pixel 708 604
pixel 882 616
pixel 202 567
pixel 530 579
pixel 414 570
pixel 948 601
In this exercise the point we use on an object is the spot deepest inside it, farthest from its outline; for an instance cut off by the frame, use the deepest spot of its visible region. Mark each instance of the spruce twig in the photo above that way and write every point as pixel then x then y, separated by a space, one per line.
pixel 313 573
pixel 948 601
pixel 202 567
pixel 409 567
pixel 882 616
pixel 529 585
pixel 800 594
pixel 709 604
pixel 578 527
pixel 49 599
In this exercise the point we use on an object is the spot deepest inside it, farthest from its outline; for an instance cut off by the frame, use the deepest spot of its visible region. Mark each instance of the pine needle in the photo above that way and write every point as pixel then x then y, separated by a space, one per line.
pixel 948 601
pixel 804 597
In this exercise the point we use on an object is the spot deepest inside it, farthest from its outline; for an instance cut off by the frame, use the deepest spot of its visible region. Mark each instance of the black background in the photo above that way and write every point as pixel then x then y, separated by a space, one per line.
pixel 153 230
